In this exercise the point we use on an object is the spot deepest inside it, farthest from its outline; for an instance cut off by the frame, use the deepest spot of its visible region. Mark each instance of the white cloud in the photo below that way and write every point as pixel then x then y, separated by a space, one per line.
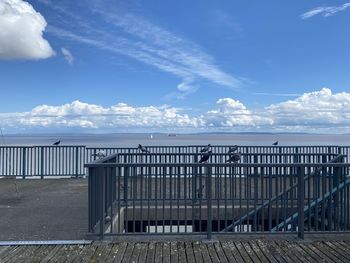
pixel 318 111
pixel 232 113
pixel 21 34
pixel 67 56
pixel 325 11
pixel 319 108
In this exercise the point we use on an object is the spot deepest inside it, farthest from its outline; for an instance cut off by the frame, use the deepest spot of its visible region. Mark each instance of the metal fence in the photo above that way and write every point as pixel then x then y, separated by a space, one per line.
pixel 148 194
pixel 45 161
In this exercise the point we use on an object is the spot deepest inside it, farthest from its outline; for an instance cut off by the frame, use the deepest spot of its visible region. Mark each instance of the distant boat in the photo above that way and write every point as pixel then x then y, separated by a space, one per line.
pixel 151 136
pixel 171 134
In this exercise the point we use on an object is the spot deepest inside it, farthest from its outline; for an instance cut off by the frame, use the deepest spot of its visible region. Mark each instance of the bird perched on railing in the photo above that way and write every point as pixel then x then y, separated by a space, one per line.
pixel 143 149
pixel 234 157
pixel 233 149
pixel 205 149
pixel 99 154
pixel 57 143
pixel 275 143
pixel 205 157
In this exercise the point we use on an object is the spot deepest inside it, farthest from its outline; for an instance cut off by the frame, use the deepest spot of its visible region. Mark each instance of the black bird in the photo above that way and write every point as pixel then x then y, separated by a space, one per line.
pixel 143 149
pixel 205 157
pixel 205 149
pixel 234 157
pixel 275 143
pixel 233 149
pixel 57 143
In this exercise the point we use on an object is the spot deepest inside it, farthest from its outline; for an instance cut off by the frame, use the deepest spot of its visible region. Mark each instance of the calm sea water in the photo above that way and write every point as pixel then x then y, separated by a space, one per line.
pixel 132 140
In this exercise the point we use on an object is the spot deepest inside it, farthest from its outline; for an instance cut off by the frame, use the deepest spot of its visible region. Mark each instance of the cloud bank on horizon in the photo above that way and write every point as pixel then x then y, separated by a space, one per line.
pixel 318 111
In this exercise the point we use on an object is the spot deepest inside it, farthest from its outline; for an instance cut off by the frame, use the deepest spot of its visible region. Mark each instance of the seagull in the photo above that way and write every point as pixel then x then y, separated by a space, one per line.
pixel 205 149
pixel 275 143
pixel 205 157
pixel 234 157
pixel 233 149
pixel 143 149
pixel 57 143
pixel 100 154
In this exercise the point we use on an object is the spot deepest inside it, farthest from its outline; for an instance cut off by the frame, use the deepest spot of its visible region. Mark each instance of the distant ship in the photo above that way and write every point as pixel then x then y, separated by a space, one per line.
pixel 171 134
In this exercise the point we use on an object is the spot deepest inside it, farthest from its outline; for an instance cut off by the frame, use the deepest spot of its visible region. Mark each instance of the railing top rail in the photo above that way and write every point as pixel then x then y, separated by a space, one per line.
pixel 39 146
pixel 220 145
pixel 226 154
pixel 303 165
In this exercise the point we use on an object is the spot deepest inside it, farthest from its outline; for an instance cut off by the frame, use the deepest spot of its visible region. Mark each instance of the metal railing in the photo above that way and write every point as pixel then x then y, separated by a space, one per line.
pixel 45 161
pixel 128 196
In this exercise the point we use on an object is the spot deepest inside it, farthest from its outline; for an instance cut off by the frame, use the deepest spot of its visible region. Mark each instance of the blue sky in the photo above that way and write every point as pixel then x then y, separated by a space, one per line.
pixel 109 65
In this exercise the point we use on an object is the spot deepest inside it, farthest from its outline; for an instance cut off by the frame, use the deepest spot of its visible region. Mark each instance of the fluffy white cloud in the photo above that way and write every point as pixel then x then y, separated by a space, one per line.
pixel 232 113
pixel 21 34
pixel 319 108
pixel 67 56
pixel 319 111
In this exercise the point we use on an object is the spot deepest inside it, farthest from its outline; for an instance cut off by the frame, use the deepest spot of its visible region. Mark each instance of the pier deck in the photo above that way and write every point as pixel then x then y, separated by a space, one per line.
pixel 254 250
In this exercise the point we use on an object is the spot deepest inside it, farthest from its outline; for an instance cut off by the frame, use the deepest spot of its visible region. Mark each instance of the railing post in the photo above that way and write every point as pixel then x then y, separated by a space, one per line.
pixel 301 197
pixel 42 162
pixel 101 177
pixel 76 161
pixel 209 204
pixel 24 163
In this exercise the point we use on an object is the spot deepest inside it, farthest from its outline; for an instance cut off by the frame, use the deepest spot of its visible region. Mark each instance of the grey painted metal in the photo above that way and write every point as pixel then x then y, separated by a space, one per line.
pixel 167 195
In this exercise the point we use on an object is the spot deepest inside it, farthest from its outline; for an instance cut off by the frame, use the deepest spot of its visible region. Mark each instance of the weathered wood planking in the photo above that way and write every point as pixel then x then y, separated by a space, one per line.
pixel 255 250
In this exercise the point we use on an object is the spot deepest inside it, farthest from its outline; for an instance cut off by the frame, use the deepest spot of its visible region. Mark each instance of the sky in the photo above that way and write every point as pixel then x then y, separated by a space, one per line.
pixel 105 66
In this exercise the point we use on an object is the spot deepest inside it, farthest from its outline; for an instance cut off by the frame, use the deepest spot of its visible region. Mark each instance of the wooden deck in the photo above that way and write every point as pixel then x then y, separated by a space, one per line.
pixel 255 250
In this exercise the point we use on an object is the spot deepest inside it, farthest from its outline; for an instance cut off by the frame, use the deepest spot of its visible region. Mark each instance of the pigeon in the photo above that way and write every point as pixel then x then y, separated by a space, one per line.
pixel 57 143
pixel 233 149
pixel 275 143
pixel 205 157
pixel 143 149
pixel 100 154
pixel 234 157
pixel 205 149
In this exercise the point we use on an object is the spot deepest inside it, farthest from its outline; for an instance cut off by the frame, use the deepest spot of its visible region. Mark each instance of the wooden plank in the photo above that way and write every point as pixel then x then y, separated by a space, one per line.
pixel 181 251
pixel 197 252
pixel 189 252
pixel 242 251
pixel 128 252
pixel 263 247
pixel 316 256
pixel 220 252
pixel 25 255
pixel 166 252
pixel 151 251
pixel 13 253
pixel 205 253
pixel 143 252
pixel 101 253
pixel 174 256
pixel 326 251
pixel 303 255
pixel 52 254
pixel 136 253
pixel 270 246
pixel 258 252
pixel 86 254
pixel 4 250
pixel 212 252
pixel 226 247
pixel 42 252
pixel 158 256
pixel 117 252
pixel 250 251
pixel 285 247
pixel 340 253
pixel 343 246
pixel 75 253
pixel 319 253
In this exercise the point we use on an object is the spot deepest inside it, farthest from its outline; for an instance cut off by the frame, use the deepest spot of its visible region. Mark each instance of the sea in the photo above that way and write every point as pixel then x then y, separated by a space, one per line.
pixel 164 139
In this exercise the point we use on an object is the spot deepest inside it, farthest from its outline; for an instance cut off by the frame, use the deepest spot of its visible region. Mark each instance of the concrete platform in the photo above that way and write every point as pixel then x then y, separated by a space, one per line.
pixel 47 209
